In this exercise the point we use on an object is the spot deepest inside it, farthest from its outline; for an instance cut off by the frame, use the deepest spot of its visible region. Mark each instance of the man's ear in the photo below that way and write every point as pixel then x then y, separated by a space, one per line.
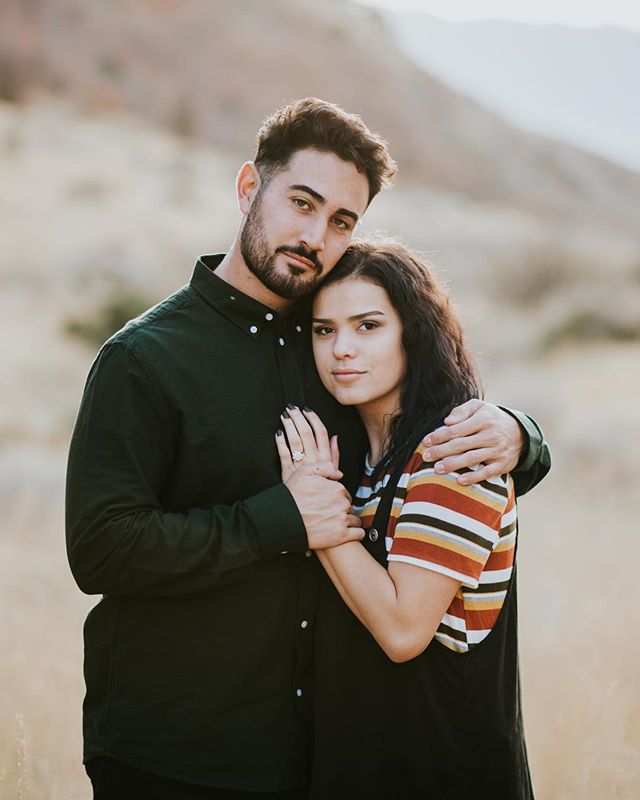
pixel 247 185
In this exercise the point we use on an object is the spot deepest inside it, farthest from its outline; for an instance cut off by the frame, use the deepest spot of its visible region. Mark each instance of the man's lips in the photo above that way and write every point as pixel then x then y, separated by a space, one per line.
pixel 300 259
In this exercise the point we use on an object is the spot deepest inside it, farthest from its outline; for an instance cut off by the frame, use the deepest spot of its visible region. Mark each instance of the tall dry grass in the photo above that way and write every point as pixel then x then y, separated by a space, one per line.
pixel 41 650
pixel 580 657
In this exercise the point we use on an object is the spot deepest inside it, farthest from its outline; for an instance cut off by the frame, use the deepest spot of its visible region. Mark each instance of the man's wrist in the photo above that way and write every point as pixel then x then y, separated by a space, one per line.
pixel 528 455
pixel 277 521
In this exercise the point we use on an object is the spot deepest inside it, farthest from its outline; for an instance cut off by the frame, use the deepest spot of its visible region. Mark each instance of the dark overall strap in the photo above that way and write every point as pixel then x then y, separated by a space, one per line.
pixel 374 540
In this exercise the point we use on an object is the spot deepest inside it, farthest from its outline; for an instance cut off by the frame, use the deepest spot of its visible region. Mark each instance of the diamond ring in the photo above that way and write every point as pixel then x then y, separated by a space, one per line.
pixel 297 455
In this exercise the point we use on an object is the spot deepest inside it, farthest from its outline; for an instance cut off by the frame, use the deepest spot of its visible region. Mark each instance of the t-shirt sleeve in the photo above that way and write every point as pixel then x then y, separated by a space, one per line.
pixel 446 527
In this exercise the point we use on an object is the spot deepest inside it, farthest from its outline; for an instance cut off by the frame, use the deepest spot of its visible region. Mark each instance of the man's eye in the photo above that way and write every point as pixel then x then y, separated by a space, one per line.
pixel 301 203
pixel 342 224
pixel 322 330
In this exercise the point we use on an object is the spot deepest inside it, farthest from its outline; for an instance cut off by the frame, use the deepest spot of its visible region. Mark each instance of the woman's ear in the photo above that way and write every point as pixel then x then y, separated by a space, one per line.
pixel 247 185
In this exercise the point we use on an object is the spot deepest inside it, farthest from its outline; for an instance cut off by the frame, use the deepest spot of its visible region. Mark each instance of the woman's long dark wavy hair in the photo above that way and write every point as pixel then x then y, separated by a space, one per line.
pixel 440 372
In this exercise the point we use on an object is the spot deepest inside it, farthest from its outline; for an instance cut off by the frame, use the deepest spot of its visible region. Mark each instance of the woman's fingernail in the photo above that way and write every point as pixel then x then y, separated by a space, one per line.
pixel 307 409
pixel 285 414
pixel 279 432
pixel 291 406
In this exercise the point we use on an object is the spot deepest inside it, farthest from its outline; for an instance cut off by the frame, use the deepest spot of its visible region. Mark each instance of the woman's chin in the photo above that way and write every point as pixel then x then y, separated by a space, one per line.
pixel 348 396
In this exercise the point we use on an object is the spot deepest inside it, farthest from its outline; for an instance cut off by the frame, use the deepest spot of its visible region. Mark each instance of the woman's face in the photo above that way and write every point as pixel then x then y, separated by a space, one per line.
pixel 357 345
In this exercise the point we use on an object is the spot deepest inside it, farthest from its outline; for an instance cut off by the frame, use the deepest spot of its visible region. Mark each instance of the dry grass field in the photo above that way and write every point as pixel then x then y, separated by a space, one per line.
pixel 93 203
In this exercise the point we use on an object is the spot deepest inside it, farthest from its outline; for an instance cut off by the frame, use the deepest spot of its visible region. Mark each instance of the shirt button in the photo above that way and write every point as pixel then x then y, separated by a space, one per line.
pixel 268 316
pixel 281 341
pixel 231 297
pixel 299 328
pixel 304 624
pixel 254 329
pixel 307 553
pixel 298 692
pixel 373 535
pixel 283 552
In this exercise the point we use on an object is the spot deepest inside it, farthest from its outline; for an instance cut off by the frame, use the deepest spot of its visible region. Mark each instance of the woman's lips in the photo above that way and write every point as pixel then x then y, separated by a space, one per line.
pixel 347 376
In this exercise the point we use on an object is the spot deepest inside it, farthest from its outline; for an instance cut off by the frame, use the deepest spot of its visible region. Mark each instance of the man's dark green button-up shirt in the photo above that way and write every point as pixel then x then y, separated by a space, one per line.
pixel 197 657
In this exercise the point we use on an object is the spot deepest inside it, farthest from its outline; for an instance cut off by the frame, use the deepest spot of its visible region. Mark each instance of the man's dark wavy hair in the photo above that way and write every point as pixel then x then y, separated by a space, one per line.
pixel 440 370
pixel 314 123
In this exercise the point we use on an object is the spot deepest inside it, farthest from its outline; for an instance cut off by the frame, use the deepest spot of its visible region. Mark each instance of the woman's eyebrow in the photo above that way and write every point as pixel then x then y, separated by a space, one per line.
pixel 367 314
pixel 353 318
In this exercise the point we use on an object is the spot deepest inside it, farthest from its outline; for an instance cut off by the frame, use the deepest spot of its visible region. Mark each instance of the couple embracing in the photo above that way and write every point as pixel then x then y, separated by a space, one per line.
pixel 300 515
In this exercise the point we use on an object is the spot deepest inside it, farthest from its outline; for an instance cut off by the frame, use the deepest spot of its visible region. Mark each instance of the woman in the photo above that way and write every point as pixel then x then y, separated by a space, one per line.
pixel 416 684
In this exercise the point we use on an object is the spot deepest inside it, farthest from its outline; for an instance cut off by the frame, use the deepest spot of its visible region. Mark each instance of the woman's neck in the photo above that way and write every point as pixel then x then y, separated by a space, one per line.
pixel 377 422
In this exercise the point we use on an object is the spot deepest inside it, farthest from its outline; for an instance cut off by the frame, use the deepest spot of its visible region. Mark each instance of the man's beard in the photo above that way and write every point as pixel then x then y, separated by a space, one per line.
pixel 261 262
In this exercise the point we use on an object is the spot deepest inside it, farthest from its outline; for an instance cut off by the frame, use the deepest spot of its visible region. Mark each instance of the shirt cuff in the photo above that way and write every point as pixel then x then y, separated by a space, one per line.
pixel 533 439
pixel 278 524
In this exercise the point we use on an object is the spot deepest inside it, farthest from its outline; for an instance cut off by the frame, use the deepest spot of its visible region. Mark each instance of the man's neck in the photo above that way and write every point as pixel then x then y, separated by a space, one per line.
pixel 235 272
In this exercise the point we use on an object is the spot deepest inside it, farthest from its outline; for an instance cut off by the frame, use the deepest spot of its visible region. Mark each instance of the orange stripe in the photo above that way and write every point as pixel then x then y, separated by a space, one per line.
pixel 424 551
pixel 501 559
pixel 473 507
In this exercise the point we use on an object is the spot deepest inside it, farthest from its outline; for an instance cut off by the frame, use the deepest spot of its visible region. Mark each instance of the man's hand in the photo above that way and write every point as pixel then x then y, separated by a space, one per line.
pixel 478 435
pixel 324 505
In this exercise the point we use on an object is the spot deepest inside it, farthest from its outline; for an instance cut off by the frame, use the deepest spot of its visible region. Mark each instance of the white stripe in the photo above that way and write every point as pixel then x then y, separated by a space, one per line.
pixel 509 517
pixel 483 597
pixel 454 622
pixel 388 541
pixel 465 580
pixel 475 637
pixel 421 508
pixel 461 647
pixel 495 575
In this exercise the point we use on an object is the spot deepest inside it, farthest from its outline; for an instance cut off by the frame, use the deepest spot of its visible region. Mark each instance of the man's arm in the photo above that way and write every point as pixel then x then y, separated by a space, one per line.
pixel 500 440
pixel 119 539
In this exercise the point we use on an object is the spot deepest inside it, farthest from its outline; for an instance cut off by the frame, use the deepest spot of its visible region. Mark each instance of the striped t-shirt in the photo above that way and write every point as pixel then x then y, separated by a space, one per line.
pixel 465 532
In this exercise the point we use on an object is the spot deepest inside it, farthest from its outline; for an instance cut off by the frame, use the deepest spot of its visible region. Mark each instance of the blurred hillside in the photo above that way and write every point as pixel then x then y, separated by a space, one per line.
pixel 214 69
pixel 122 126
pixel 578 92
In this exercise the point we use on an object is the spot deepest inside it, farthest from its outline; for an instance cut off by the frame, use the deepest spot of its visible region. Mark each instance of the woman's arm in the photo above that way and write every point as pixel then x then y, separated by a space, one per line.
pixel 401 607
pixel 443 536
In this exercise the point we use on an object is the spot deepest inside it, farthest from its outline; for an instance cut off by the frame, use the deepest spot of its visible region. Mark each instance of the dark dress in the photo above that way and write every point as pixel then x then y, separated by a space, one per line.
pixel 444 725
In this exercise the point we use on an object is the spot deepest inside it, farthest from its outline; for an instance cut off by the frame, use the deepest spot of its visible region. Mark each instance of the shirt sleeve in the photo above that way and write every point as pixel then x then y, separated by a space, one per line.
pixel 536 456
pixel 448 528
pixel 119 539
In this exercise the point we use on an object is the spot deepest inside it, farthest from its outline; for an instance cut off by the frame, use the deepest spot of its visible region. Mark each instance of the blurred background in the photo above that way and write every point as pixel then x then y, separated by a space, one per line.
pixel 122 126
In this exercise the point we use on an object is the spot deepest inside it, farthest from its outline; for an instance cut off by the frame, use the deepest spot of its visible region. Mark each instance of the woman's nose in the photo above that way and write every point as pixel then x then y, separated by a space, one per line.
pixel 343 345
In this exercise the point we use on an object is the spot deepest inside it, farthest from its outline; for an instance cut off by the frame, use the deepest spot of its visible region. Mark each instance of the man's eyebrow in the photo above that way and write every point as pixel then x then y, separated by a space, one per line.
pixel 302 187
pixel 354 318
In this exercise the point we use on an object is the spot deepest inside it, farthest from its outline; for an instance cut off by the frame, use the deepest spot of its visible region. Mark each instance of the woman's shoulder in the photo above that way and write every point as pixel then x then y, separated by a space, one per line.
pixel 497 492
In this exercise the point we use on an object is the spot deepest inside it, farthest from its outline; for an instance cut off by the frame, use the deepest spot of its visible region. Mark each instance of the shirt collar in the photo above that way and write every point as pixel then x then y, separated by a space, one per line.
pixel 248 314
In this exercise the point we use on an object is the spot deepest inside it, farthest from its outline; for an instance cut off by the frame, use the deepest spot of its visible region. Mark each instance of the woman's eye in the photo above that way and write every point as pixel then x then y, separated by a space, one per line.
pixel 368 325
pixel 322 330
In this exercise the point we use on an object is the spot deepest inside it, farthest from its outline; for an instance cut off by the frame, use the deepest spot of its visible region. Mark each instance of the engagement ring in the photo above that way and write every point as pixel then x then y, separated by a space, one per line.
pixel 297 455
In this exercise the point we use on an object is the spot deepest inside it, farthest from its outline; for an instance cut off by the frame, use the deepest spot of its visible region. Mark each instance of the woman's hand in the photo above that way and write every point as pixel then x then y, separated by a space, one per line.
pixel 304 440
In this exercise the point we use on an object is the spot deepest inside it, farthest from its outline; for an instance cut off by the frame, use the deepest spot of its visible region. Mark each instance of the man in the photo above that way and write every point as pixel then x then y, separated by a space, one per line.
pixel 197 657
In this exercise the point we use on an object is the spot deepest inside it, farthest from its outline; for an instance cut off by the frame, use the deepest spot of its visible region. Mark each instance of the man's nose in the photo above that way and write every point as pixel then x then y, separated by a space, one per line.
pixel 314 234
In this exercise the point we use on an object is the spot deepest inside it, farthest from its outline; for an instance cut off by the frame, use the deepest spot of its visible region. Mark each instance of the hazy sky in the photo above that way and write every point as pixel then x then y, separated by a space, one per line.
pixel 579 13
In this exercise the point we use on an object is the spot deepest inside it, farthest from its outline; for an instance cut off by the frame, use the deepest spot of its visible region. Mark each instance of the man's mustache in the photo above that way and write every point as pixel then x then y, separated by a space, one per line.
pixel 298 250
